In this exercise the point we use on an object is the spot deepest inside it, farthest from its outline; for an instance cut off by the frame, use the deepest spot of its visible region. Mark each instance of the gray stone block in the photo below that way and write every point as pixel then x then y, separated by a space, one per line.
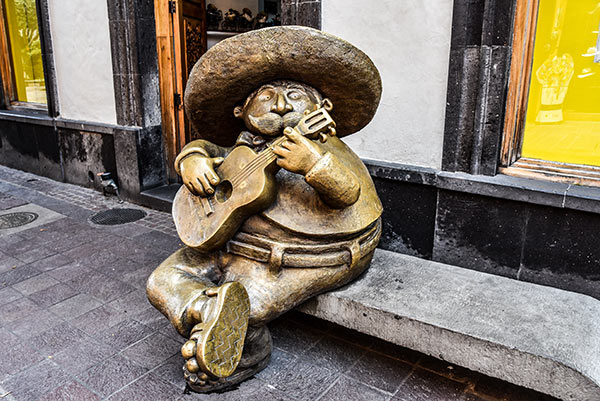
pixel 538 337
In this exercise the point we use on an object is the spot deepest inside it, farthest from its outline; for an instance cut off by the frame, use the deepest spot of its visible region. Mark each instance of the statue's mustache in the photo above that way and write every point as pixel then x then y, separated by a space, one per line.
pixel 273 124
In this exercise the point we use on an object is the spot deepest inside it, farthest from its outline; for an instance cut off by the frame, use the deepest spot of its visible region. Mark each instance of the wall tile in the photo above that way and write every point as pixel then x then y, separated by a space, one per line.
pixel 408 217
pixel 480 233
pixel 561 249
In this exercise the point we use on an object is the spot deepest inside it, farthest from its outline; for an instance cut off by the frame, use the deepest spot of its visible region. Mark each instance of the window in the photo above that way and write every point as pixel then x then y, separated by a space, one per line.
pixel 22 65
pixel 552 127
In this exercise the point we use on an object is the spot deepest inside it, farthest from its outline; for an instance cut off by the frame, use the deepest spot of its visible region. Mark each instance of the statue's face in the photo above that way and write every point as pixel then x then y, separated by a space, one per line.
pixel 277 105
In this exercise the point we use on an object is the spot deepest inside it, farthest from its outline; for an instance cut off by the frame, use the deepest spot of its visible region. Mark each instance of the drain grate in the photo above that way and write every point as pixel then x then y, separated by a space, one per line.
pixel 17 219
pixel 113 217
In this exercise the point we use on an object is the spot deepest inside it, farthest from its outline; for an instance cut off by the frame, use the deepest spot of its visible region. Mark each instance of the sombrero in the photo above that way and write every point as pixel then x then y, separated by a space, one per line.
pixel 228 72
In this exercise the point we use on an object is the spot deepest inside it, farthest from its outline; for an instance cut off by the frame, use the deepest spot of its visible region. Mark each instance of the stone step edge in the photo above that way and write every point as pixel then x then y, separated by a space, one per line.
pixel 489 356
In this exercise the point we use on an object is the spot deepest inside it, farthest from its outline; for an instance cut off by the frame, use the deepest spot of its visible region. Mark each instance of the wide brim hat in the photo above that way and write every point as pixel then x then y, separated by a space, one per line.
pixel 228 72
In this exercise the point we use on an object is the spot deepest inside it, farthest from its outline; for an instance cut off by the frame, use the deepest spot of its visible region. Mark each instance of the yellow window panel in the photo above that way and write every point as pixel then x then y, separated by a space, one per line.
pixel 563 107
pixel 26 50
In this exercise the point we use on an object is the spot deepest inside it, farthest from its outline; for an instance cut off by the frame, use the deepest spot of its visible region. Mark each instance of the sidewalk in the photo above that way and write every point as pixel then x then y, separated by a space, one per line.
pixel 75 323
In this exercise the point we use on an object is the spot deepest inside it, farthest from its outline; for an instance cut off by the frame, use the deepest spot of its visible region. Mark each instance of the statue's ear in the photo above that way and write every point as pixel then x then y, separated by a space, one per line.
pixel 238 112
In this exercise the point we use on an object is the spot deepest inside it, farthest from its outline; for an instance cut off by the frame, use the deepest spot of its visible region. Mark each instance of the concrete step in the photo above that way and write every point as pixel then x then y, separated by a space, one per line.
pixel 538 337
pixel 160 198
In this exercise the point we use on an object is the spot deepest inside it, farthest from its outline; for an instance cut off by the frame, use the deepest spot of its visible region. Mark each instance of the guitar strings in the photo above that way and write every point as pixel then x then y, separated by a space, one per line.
pixel 264 157
pixel 252 166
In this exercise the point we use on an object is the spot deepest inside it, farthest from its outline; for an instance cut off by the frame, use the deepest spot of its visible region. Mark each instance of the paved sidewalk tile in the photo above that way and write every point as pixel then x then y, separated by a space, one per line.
pixel 152 351
pixel 35 284
pixel 124 334
pixel 346 389
pixel 427 386
pixel 149 387
pixel 43 216
pixel 37 322
pixel 380 371
pixel 99 319
pixel 36 381
pixel 69 392
pixel 304 381
pixel 82 355
pixel 75 306
pixel 111 375
pixel 9 294
pixel 53 295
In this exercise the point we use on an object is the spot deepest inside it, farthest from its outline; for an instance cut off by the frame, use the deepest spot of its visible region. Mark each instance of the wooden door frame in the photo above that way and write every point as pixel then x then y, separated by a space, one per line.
pixel 525 23
pixel 168 38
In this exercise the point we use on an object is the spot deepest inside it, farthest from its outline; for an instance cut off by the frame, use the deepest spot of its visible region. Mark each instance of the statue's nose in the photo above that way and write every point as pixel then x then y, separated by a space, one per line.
pixel 281 106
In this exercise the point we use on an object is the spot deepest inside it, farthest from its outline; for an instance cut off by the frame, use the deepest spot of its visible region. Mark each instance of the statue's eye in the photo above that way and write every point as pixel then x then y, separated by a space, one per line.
pixel 293 95
pixel 265 96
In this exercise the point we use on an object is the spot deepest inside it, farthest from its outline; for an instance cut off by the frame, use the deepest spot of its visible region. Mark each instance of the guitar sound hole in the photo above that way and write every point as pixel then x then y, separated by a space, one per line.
pixel 223 191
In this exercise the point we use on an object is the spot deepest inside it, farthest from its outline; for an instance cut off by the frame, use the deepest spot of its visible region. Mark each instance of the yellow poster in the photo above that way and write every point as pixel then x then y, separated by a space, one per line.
pixel 24 37
pixel 563 108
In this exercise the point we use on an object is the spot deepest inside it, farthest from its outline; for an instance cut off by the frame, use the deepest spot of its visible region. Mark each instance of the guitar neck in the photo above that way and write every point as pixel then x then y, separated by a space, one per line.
pixel 267 154
pixel 262 160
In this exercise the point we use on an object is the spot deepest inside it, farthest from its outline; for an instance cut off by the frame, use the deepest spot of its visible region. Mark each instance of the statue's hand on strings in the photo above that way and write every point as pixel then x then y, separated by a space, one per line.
pixel 297 153
pixel 198 174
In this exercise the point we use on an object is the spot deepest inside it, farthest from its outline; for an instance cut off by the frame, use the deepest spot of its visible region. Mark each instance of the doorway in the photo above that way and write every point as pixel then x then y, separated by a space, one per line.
pixel 185 29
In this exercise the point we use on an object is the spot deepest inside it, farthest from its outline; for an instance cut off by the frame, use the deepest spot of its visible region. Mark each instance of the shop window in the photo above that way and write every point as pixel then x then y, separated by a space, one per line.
pixel 21 66
pixel 225 18
pixel 552 128
pixel 242 15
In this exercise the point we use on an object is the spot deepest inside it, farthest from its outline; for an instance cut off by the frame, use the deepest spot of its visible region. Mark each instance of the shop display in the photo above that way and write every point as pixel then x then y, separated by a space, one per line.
pixel 235 21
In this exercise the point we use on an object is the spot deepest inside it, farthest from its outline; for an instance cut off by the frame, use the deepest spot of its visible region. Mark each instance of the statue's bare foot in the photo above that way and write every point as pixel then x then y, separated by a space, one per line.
pixel 216 344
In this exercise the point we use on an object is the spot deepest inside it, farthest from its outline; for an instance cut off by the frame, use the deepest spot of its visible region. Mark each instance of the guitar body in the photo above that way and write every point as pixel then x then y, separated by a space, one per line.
pixel 207 224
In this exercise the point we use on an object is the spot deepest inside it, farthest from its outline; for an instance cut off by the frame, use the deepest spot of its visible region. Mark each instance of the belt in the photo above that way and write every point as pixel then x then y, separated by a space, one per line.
pixel 277 254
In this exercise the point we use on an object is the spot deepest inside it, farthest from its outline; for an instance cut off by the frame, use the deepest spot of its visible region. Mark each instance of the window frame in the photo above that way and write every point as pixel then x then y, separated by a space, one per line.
pixel 511 161
pixel 7 84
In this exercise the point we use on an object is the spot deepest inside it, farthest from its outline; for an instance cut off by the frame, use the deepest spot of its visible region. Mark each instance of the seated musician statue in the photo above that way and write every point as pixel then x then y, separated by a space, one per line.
pixel 275 208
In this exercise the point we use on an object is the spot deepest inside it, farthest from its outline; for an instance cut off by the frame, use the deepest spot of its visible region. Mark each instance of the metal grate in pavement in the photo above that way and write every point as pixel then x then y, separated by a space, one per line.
pixel 17 219
pixel 113 217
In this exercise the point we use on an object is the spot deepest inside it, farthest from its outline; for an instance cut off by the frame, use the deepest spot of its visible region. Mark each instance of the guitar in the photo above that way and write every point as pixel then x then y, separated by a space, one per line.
pixel 247 187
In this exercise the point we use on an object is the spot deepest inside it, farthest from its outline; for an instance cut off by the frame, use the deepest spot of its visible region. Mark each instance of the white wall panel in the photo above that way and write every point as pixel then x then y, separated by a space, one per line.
pixel 81 41
pixel 409 41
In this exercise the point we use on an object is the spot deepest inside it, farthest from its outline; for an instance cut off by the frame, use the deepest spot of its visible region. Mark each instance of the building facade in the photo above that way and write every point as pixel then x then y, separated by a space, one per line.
pixel 483 149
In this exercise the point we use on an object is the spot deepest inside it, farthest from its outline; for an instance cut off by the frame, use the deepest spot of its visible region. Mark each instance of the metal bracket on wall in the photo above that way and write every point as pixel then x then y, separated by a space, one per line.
pixel 172 7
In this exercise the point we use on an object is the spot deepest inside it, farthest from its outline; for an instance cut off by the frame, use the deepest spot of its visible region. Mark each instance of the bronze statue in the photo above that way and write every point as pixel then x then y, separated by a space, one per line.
pixel 286 209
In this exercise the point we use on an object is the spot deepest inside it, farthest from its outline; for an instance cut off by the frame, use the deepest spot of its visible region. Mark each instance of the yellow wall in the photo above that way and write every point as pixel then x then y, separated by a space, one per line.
pixel 26 50
pixel 563 108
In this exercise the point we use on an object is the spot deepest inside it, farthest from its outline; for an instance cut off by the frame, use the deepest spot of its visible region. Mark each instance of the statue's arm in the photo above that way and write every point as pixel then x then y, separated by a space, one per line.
pixel 202 148
pixel 336 184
